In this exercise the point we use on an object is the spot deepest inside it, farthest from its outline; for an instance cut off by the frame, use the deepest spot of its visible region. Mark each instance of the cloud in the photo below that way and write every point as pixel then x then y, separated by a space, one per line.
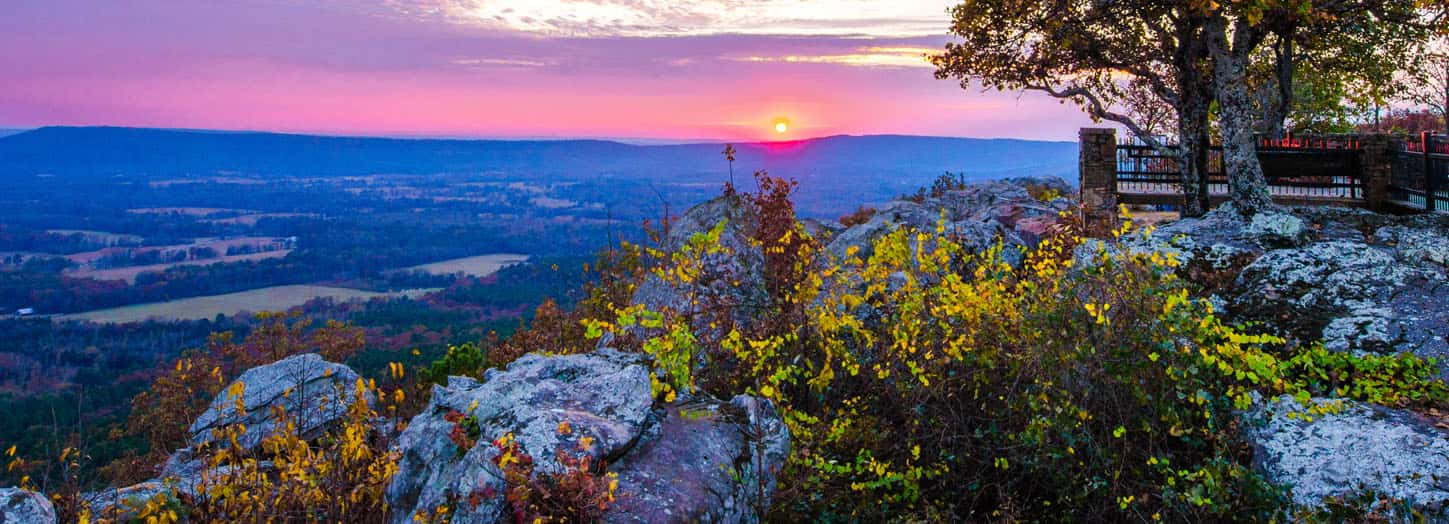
pixel 498 62
pixel 663 18
pixel 894 57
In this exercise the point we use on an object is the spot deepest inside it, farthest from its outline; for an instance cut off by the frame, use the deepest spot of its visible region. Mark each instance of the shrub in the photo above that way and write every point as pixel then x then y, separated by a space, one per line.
pixel 943 184
pixel 933 383
pixel 861 215
pixel 578 494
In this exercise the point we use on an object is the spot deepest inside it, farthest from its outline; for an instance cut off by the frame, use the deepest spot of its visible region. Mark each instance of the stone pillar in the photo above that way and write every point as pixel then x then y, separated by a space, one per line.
pixel 1097 167
pixel 1376 170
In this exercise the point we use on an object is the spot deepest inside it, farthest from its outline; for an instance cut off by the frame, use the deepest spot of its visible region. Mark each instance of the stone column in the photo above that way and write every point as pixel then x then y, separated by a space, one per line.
pixel 1097 167
pixel 1376 169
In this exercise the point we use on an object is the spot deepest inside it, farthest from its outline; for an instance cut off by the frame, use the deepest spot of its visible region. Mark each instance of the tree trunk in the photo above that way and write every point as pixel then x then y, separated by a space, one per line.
pixel 1281 100
pixel 1193 160
pixel 1194 96
pixel 1247 187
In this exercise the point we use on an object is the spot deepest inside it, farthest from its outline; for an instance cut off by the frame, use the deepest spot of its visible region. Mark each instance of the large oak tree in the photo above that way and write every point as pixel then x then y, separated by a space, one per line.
pixel 1099 55
pixel 1189 53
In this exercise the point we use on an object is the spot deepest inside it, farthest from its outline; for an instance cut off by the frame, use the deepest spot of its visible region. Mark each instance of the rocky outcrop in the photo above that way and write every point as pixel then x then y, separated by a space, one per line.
pixel 1357 280
pixel 730 452
pixel 1381 298
pixel 1359 449
pixel 312 392
pixel 18 506
pixel 1360 282
pixel 688 461
pixel 979 215
pixel 732 276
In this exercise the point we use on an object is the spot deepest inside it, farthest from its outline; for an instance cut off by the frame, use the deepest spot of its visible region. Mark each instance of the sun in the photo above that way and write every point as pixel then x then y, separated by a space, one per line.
pixel 781 126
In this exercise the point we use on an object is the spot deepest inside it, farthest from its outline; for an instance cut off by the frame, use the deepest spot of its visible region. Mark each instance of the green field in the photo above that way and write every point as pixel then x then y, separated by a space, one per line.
pixel 479 266
pixel 265 299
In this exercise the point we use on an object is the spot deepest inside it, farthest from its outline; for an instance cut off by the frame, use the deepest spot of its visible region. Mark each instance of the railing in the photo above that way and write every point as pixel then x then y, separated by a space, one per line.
pixel 1296 168
pixel 1420 177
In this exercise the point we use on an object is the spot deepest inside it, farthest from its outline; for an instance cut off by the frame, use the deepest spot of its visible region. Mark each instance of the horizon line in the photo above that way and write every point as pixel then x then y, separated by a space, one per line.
pixel 636 141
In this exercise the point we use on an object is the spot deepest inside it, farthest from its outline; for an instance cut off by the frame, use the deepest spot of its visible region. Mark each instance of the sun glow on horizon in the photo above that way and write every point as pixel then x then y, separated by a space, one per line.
pixel 781 126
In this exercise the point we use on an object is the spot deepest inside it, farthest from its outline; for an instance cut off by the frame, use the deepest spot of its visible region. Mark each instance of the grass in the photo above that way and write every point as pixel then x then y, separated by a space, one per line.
pixel 479 266
pixel 129 273
pixel 274 298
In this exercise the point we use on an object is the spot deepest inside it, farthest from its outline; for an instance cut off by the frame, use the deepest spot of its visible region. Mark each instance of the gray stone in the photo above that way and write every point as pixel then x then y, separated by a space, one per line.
pixel 695 460
pixel 312 392
pixel 1361 448
pixel 604 395
pixel 705 461
pixel 978 216
pixel 1416 245
pixel 1302 290
pixel 1274 229
pixel 1364 330
pixel 731 279
pixel 19 506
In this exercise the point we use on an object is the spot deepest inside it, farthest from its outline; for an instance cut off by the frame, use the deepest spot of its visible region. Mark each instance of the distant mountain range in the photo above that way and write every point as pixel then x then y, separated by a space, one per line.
pixel 109 151
pixel 7 132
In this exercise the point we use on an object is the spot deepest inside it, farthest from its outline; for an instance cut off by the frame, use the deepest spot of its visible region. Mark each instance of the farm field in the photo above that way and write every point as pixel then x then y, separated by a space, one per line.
pixel 129 273
pixel 265 299
pixel 478 266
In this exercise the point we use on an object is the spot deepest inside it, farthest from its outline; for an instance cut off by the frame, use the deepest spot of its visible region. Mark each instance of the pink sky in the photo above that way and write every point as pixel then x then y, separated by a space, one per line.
pixel 501 68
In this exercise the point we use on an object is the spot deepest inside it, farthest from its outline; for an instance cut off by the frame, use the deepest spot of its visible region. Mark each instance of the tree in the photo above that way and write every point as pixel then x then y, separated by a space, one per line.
pixel 1429 85
pixel 1352 29
pixel 1099 55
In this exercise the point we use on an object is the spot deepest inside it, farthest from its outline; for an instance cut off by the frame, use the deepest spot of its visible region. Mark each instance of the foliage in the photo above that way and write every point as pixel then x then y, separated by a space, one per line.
pixel 860 216
pixel 1401 380
pixel 929 382
pixel 462 360
pixel 163 413
pixel 939 187
pixel 577 494
pixel 339 476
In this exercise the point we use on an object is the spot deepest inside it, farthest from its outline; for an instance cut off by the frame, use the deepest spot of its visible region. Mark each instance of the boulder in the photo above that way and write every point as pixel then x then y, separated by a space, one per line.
pixel 1354 296
pixel 979 215
pixel 19 506
pixel 733 276
pixel 703 461
pixel 313 392
pixel 1359 449
pixel 697 460
pixel 1416 245
pixel 604 395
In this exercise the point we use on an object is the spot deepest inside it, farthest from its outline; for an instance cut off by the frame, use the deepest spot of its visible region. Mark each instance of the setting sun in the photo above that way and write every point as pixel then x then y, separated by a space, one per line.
pixel 781 126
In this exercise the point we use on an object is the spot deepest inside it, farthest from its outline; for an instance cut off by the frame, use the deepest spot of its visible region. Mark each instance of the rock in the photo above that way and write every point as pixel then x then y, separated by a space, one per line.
pixel 604 395
pixel 730 454
pixel 19 506
pixel 674 463
pixel 1302 290
pixel 1361 448
pixel 1364 330
pixel 1355 297
pixel 1416 245
pixel 1274 229
pixel 314 392
pixel 978 215
pixel 734 276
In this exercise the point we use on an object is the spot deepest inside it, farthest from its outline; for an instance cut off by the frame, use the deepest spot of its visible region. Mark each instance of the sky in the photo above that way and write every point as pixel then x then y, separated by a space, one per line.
pixel 647 69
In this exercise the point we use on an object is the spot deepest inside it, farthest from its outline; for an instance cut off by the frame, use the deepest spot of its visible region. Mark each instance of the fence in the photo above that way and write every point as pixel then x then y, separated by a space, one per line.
pixel 1380 172
pixel 1421 174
